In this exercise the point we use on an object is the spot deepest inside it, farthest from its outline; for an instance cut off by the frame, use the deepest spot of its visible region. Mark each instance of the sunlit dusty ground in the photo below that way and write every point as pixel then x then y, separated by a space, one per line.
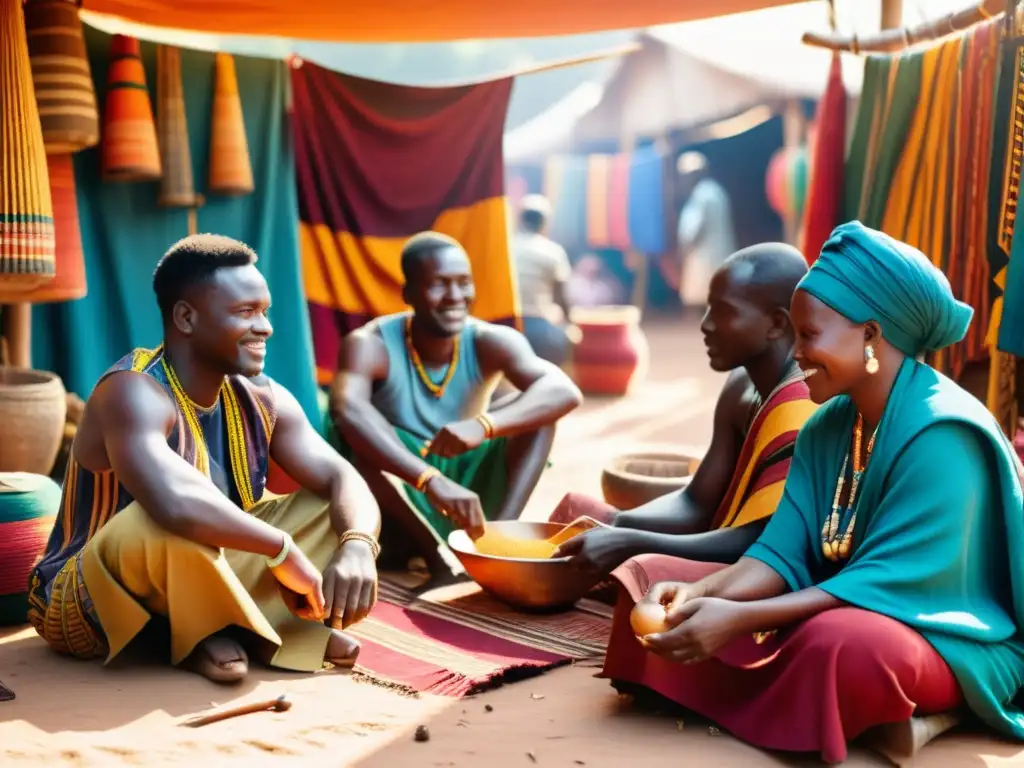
pixel 78 714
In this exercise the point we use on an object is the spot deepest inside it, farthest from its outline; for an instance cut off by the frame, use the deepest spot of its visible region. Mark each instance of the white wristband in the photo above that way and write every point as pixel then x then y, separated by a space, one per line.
pixel 283 554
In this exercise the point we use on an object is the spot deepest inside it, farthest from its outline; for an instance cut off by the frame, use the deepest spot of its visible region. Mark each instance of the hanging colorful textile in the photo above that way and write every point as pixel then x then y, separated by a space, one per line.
pixel 965 263
pixel 824 206
pixel 569 206
pixel 375 164
pixel 648 226
pixel 618 203
pixel 1004 239
pixel 599 168
pixel 889 95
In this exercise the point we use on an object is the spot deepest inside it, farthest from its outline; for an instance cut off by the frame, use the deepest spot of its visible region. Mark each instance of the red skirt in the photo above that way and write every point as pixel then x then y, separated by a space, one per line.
pixel 575 505
pixel 810 688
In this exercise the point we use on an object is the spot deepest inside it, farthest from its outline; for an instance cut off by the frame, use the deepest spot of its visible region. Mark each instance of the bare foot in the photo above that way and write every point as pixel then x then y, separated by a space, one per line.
pixel 219 659
pixel 342 650
pixel 900 742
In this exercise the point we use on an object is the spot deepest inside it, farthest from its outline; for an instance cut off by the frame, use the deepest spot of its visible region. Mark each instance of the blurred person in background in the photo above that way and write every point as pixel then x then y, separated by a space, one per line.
pixel 543 270
pixel 705 233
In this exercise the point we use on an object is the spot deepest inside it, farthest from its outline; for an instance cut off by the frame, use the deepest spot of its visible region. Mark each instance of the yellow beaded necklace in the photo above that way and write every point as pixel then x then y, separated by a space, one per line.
pixel 437 390
pixel 837 547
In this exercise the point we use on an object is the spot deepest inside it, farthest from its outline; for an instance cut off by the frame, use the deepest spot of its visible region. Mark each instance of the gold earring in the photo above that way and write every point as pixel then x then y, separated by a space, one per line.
pixel 870 361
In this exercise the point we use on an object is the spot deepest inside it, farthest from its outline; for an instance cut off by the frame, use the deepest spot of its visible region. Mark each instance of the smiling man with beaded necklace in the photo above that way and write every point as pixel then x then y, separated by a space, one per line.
pixel 164 511
pixel 411 399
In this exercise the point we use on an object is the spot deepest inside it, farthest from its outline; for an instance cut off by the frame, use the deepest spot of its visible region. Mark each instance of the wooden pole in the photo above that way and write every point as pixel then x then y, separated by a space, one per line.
pixel 892 14
pixel 18 332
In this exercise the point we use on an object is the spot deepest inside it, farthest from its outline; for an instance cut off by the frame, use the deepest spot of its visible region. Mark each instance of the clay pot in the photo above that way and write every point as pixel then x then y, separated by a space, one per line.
pixel 33 408
pixel 634 479
pixel 612 354
pixel 28 508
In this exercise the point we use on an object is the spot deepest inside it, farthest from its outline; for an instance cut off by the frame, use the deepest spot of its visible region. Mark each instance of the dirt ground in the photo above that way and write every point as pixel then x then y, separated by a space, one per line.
pixel 72 713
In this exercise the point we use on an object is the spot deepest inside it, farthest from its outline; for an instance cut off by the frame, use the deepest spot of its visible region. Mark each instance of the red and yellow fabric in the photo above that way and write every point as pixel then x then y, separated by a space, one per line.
pixel 760 476
pixel 827 177
pixel 375 164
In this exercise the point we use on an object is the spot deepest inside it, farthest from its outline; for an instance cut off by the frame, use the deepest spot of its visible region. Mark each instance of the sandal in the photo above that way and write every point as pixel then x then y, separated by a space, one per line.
pixel 6 694
pixel 232 667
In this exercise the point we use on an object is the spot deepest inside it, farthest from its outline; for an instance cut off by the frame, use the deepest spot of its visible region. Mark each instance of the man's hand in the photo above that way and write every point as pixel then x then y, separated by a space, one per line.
pixel 459 504
pixel 457 438
pixel 350 584
pixel 300 585
pixel 600 550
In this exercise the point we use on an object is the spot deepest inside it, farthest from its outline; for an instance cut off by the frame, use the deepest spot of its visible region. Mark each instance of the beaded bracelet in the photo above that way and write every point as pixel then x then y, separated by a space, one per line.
pixel 485 421
pixel 425 477
pixel 363 537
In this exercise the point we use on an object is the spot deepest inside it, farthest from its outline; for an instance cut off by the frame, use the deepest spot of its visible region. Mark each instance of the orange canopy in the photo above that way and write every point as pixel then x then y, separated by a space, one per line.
pixel 383 21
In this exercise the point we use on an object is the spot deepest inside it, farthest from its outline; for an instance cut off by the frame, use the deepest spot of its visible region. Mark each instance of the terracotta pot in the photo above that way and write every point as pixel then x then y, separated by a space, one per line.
pixel 33 407
pixel 634 479
pixel 612 354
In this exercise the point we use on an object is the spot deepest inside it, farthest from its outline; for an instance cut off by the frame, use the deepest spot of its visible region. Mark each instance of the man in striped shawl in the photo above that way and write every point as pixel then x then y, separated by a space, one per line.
pixel 764 403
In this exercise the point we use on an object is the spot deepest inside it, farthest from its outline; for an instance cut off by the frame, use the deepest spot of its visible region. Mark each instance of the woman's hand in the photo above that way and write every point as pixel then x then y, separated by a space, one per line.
pixel 700 627
pixel 672 595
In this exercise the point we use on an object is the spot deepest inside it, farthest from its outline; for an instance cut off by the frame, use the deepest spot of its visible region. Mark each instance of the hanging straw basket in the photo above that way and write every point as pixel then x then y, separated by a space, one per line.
pixel 129 149
pixel 177 186
pixel 26 211
pixel 69 282
pixel 230 167
pixel 63 80
pixel 33 407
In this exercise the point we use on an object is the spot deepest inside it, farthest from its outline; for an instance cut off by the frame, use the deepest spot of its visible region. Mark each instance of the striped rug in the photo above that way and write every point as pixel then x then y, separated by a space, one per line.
pixel 457 640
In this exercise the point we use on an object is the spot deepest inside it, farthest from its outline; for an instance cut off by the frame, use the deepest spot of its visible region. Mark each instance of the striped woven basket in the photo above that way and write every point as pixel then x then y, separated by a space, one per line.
pixel 28 508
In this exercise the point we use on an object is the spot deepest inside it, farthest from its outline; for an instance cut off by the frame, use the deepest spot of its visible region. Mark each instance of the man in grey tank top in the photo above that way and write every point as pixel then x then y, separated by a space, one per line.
pixel 413 399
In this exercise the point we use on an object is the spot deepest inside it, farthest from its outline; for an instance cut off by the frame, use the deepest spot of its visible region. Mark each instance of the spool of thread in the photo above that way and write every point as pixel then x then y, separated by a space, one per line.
pixel 230 166
pixel 129 148
pixel 62 77
pixel 69 282
pixel 26 210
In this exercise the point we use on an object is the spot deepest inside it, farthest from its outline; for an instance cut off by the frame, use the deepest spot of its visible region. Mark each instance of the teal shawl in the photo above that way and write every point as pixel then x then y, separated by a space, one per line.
pixel 939 538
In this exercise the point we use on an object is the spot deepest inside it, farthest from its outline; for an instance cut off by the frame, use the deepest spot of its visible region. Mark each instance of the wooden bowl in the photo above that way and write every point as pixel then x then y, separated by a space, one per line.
pixel 634 479
pixel 533 584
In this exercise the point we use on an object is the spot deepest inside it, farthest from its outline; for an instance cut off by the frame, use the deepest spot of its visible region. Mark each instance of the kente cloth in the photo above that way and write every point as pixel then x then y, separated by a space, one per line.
pixel 569 218
pixel 377 163
pixel 135 570
pixel 458 640
pixel 867 275
pixel 1003 191
pixel 599 169
pixel 938 533
pixel 618 203
pixel 91 499
pixel 649 221
pixel 1011 277
pixel 825 193
pixel 760 473
pixel 917 211
pixel 125 231
pixel 964 261
pixel 892 86
pixel 811 687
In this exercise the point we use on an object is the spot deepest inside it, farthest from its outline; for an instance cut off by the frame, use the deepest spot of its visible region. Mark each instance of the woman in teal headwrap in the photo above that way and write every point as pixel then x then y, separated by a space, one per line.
pixel 890 581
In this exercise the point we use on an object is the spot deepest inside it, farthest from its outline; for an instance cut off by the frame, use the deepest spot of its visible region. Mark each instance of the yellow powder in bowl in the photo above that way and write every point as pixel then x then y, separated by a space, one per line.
pixel 498 545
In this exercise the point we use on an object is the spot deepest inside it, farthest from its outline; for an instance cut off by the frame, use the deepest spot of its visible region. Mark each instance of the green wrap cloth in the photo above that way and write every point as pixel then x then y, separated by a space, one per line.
pixel 866 275
pixel 484 470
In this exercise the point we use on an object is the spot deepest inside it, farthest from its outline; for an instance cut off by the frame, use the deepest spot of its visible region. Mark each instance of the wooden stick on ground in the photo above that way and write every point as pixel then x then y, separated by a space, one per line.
pixel 280 704
pixel 890 40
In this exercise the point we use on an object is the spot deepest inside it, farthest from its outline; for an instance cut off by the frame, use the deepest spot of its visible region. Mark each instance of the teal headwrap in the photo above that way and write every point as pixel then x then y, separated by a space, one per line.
pixel 866 275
